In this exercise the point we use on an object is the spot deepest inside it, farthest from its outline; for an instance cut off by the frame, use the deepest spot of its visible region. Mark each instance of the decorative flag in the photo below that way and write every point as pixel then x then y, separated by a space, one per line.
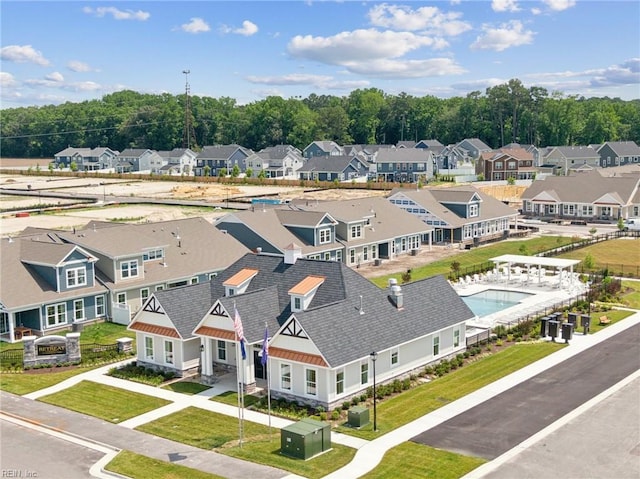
pixel 265 347
pixel 237 325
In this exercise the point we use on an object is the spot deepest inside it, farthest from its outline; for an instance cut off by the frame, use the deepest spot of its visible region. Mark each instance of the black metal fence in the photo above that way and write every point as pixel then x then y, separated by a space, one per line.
pixel 11 358
pixel 93 351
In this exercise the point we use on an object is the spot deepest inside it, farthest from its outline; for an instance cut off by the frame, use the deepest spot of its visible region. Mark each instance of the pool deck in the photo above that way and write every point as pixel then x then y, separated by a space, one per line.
pixel 545 294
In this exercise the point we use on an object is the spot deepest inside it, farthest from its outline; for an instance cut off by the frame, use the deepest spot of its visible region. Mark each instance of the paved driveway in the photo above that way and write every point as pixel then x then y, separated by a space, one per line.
pixel 501 423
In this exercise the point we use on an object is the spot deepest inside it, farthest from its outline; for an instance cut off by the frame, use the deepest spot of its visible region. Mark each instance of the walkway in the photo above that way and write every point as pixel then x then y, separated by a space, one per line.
pixel 366 459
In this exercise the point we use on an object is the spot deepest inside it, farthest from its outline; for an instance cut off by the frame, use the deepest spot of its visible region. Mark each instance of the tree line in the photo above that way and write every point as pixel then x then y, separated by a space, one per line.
pixel 503 114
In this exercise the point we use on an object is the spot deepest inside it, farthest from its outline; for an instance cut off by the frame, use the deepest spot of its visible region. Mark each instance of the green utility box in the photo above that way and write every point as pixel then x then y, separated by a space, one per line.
pixel 358 416
pixel 305 439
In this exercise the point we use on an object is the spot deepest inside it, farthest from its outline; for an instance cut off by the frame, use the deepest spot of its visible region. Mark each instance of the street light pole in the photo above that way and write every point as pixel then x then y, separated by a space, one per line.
pixel 374 356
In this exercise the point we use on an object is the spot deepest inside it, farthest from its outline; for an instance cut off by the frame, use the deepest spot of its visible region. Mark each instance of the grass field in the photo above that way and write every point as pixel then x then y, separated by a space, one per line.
pixel 632 297
pixel 136 466
pixel 208 430
pixel 424 462
pixel 621 256
pixel 105 402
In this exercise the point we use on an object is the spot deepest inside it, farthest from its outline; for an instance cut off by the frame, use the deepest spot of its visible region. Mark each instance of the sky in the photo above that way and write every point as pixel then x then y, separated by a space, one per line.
pixel 54 52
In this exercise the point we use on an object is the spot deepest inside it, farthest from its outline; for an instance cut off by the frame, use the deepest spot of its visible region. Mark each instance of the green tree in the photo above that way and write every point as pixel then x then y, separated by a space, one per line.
pixel 222 172
pixel 620 224
pixel 235 171
pixel 248 173
pixel 207 170
pixel 73 166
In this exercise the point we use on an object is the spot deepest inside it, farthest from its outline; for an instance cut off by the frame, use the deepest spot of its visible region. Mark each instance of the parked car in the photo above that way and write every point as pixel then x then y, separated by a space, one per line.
pixel 632 224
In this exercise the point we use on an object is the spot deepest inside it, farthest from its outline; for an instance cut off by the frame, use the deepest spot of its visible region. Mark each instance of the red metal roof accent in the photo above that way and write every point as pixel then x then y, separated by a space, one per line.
pixel 154 329
pixel 297 356
pixel 307 285
pixel 240 277
pixel 216 333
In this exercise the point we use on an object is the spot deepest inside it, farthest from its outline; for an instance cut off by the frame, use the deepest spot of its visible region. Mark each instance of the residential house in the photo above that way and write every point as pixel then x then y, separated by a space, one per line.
pixel 322 148
pixel 474 147
pixel 505 163
pixel 535 151
pixel 405 144
pixel 618 153
pixel 212 159
pixel 182 161
pixel 130 261
pixel 586 196
pixel 334 168
pixel 322 321
pixel 459 214
pixel 87 159
pixel 138 159
pixel 282 161
pixel 569 159
pixel 453 157
pixel 356 232
pixel 432 145
pixel 46 286
pixel 404 165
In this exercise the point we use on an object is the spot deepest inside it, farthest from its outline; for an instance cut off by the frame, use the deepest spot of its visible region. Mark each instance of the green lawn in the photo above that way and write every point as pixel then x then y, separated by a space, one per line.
pixel 404 408
pixel 632 298
pixel 24 383
pixel 619 256
pixel 186 387
pixel 417 460
pixel 136 466
pixel 231 398
pixel 614 315
pixel 209 430
pixel 480 255
pixel 105 402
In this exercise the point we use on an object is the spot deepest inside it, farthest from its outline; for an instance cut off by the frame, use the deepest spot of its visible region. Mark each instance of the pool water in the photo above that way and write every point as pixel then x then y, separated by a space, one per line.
pixel 493 300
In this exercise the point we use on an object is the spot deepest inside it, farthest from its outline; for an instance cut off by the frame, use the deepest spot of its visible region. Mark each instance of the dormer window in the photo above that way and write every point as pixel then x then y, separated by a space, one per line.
pixel 129 269
pixel 325 235
pixel 302 293
pixel 239 282
pixel 153 255
pixel 356 231
pixel 474 210
pixel 76 277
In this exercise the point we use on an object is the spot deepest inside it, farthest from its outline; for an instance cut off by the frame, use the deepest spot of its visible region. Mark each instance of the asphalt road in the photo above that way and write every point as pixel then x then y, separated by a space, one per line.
pixel 491 428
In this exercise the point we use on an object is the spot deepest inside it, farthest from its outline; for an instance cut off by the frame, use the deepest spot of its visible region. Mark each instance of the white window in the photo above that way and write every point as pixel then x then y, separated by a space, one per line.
pixel 473 210
pixel 285 376
pixel 456 338
pixel 297 304
pixel 325 235
pixel 339 255
pixel 436 345
pixel 394 358
pixel 129 269
pixel 339 382
pixel 100 310
pixel 76 277
pixel 222 350
pixel 144 294
pixel 212 275
pixel 311 381
pixel 153 255
pixel 78 310
pixel 356 231
pixel 193 281
pixel 56 314
pixel 365 253
pixel 148 347
pixel 160 287
pixel 168 352
pixel 121 298
pixel 364 373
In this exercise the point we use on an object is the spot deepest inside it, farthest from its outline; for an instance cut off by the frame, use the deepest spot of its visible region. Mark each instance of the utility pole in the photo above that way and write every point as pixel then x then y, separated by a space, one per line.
pixel 188 128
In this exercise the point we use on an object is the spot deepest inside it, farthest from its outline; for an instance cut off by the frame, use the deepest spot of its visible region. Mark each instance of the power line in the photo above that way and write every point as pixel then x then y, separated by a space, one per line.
pixel 37 135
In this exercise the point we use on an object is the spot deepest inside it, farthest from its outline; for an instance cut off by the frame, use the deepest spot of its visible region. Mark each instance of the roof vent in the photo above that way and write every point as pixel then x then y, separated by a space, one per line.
pixel 392 282
pixel 258 250
pixel 396 296
pixel 361 310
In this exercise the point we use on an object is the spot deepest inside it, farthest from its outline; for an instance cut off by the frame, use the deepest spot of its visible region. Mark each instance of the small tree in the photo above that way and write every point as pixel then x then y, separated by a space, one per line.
pixel 262 175
pixel 620 224
pixel 51 166
pixel 511 180
pixel 523 250
pixel 593 231
pixel 588 261
pixel 73 166
pixel 406 276
pixel 455 268
pixel 235 171
pixel 222 172
pixel 249 173
pixel 480 177
pixel 207 170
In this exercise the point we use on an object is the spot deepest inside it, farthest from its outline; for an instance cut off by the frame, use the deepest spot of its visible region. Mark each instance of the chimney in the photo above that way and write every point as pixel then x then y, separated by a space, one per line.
pixel 396 296
pixel 292 253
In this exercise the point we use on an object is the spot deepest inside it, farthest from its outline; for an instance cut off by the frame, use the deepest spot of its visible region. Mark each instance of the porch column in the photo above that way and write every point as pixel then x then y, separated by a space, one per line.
pixel 11 319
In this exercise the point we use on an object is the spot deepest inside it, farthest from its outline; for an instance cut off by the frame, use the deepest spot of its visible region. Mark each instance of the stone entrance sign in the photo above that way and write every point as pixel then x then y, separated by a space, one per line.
pixel 51 349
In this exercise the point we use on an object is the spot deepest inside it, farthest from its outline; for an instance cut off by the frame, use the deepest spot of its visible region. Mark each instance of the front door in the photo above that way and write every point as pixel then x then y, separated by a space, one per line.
pixel 259 370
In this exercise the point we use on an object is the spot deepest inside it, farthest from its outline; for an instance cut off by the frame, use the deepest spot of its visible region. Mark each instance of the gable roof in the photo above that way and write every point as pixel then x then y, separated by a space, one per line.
pixel 330 164
pixel 221 152
pixel 404 155
pixel 333 319
pixel 622 148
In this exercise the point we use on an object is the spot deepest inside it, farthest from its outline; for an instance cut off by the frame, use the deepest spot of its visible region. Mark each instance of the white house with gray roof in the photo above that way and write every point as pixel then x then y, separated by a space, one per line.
pixel 281 161
pixel 335 168
pixel 404 165
pixel 323 320
pixel 87 159
pixel 569 159
pixel 588 196
pixel 459 214
pixel 618 153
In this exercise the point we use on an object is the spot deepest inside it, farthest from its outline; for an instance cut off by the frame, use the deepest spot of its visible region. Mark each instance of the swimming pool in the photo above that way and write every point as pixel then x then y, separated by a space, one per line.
pixel 491 301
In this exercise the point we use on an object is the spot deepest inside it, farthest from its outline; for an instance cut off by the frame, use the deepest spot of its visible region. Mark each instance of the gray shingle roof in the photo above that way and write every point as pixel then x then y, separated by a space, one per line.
pixel 333 320
pixel 330 164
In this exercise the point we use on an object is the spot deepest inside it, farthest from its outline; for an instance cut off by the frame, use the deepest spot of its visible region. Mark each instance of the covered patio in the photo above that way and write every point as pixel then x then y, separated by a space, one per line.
pixel 527 268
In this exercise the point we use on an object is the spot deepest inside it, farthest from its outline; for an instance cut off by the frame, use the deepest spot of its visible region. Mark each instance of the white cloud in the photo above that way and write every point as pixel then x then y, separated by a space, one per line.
pixel 55 77
pixel 625 73
pixel 78 66
pixel 505 6
pixel 356 46
pixel 248 28
pixel 7 80
pixel 511 34
pixel 536 11
pixel 323 82
pixel 426 19
pixel 559 5
pixel 476 85
pixel 387 68
pixel 117 14
pixel 23 54
pixel 196 25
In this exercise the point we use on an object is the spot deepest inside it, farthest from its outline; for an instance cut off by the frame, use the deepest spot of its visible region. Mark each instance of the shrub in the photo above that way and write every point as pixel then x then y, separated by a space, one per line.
pixel 355 400
pixel 346 405
pixel 323 416
pixel 335 414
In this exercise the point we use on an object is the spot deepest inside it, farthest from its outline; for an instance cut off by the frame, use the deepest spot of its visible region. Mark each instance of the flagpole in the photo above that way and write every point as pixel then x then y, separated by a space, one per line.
pixel 266 370
pixel 239 388
pixel 237 326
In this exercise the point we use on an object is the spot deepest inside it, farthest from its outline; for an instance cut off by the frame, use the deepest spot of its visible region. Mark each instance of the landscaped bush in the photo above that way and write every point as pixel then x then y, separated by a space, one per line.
pixel 141 374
